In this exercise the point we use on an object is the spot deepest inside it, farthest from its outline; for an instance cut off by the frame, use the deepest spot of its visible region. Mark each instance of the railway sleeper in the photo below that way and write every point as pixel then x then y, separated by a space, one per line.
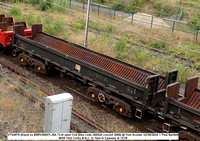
pixel 32 62
pixel 117 104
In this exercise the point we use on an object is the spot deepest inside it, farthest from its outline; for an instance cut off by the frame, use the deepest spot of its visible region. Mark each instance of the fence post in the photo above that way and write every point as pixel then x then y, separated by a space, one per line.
pixel 151 22
pixel 197 33
pixel 83 6
pixel 114 13
pixel 98 8
pixel 173 26
pixel 70 3
pixel 132 17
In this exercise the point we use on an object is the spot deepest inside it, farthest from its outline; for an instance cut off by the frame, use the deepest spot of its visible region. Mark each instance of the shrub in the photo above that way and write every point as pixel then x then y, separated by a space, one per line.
pixel 166 10
pixel 46 4
pixel 119 5
pixel 195 20
pixel 133 3
pixel 34 2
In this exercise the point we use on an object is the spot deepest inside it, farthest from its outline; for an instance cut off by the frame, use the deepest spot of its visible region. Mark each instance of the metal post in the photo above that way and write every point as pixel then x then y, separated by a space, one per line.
pixel 83 6
pixel 87 23
pixel 98 8
pixel 132 17
pixel 70 2
pixel 151 22
pixel 114 13
pixel 197 33
pixel 173 26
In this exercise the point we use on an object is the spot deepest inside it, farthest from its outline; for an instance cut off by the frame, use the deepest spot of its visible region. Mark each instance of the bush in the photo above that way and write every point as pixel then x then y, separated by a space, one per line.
pixel 46 4
pixel 34 2
pixel 166 10
pixel 119 5
pixel 133 3
pixel 195 20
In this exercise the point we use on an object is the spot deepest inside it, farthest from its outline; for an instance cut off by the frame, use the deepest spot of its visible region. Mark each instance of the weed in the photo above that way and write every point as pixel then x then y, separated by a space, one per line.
pixel 109 28
pixel 197 64
pixel 77 25
pixel 141 55
pixel 184 72
pixel 95 26
pixel 121 48
pixel 15 11
pixel 157 44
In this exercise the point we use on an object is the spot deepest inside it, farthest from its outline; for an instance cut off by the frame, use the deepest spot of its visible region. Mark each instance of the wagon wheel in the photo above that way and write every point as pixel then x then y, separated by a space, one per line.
pixel 101 97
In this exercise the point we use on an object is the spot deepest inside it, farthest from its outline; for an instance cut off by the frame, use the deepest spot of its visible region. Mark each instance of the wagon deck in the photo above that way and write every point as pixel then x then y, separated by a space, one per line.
pixel 116 67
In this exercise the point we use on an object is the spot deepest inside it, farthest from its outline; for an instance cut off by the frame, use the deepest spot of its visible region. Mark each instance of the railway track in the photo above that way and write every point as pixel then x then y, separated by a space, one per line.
pixel 93 127
pixel 5 6
pixel 77 91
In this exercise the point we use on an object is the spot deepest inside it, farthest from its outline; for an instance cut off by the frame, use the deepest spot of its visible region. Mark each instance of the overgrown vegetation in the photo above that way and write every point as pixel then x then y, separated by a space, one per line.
pixel 121 49
pixel 195 20
pixel 157 44
pixel 106 44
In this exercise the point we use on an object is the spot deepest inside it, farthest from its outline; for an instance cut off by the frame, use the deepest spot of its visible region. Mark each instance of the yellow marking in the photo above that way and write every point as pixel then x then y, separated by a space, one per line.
pixel 120 109
pixel 146 86
pixel 39 68
pixel 166 95
pixel 93 95
pixel 22 60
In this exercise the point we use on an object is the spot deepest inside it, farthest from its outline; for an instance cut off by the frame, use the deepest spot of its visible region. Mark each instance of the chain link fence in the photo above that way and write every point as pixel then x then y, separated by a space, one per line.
pixel 148 20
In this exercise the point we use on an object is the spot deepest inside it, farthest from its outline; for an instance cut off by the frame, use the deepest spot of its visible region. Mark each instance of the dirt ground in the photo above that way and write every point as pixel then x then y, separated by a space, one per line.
pixel 17 114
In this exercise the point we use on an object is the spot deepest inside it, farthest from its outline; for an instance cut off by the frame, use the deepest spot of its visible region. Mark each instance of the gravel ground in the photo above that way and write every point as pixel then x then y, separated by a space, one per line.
pixel 17 114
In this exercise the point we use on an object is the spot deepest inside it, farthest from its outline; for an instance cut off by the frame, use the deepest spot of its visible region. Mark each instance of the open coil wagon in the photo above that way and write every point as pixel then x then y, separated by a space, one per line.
pixel 183 111
pixel 130 90
pixel 6 30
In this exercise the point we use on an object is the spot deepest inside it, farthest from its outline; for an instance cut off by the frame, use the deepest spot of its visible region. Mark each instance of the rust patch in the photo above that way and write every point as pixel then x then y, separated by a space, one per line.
pixel 173 90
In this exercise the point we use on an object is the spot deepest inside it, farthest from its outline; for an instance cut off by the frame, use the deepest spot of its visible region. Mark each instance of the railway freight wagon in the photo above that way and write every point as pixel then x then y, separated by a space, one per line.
pixel 183 111
pixel 130 90
pixel 6 30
